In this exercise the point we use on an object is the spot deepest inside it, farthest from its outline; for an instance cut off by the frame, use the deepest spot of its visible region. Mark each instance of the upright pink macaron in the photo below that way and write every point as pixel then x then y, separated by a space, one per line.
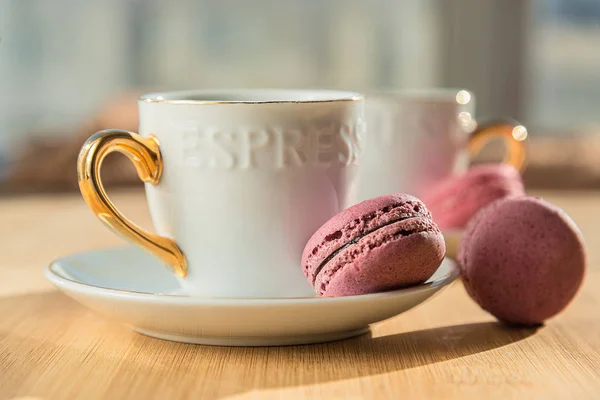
pixel 457 199
pixel 522 259
pixel 380 244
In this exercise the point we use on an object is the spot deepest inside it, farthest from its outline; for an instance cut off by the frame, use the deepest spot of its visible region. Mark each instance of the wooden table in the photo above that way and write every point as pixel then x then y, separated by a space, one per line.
pixel 53 348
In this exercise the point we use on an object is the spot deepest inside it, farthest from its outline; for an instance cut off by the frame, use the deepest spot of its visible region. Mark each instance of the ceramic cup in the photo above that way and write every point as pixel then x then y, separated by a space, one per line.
pixel 415 139
pixel 236 181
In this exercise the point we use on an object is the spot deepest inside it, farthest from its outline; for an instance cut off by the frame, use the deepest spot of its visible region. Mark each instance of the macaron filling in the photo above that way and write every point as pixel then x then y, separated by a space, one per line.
pixel 402 249
pixel 384 243
pixel 359 226
pixel 359 237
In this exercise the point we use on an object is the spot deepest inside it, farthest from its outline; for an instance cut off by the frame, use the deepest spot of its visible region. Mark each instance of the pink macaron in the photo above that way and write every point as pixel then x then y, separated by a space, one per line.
pixel 380 244
pixel 522 259
pixel 454 201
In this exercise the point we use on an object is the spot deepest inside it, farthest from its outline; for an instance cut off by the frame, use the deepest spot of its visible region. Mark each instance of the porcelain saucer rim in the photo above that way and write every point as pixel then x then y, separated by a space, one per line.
pixel 59 280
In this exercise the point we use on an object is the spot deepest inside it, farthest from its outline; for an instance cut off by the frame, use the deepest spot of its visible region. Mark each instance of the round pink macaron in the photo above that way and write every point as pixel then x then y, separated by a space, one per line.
pixel 380 244
pixel 522 259
pixel 454 201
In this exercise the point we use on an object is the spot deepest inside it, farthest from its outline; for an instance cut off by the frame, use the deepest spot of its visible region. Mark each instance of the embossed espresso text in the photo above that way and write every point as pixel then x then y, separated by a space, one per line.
pixel 272 147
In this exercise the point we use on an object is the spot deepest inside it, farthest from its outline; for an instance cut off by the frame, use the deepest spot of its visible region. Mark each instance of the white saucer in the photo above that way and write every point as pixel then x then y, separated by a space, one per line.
pixel 134 288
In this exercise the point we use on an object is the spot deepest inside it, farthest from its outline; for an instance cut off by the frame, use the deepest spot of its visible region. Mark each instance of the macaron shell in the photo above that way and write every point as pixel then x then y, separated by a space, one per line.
pixel 400 254
pixel 458 213
pixel 457 199
pixel 522 259
pixel 352 222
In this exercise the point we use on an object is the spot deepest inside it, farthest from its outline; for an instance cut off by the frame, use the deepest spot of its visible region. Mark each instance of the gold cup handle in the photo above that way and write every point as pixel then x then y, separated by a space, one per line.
pixel 511 132
pixel 146 157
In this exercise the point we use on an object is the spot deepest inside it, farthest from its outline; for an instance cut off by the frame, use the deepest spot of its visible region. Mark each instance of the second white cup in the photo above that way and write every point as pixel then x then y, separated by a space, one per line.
pixel 417 138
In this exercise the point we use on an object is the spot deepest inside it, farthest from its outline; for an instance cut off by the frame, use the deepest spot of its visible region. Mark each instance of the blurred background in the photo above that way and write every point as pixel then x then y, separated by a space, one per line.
pixel 69 68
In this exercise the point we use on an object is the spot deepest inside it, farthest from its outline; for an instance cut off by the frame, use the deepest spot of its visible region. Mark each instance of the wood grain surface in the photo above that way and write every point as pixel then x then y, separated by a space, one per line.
pixel 53 348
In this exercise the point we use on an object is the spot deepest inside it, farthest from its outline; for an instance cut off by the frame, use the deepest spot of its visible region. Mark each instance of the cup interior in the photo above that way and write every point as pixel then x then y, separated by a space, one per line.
pixel 252 96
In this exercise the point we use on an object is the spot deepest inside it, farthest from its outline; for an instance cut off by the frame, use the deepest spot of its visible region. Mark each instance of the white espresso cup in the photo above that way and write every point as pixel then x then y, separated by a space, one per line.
pixel 236 181
pixel 415 139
